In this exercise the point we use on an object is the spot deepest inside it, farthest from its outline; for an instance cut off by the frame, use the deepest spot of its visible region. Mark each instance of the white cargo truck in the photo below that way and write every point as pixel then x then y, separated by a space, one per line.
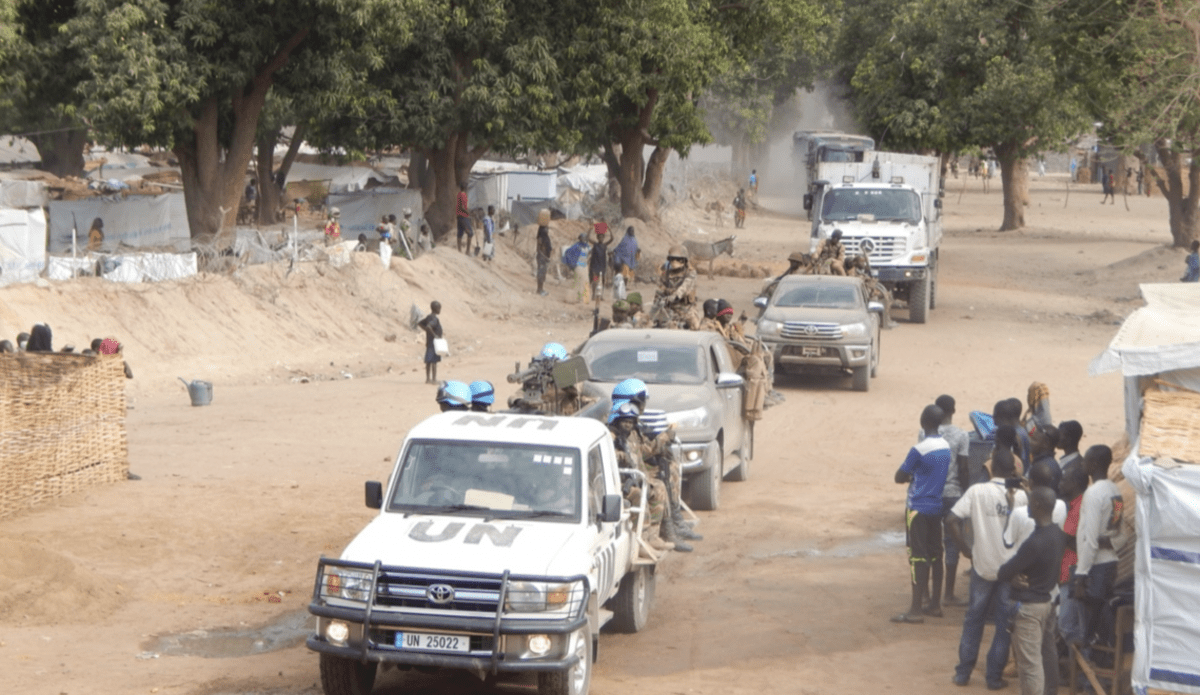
pixel 503 543
pixel 812 147
pixel 888 208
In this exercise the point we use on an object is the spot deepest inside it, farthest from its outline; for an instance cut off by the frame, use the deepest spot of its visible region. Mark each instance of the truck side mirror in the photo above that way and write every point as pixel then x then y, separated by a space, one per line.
pixel 808 201
pixel 875 307
pixel 374 494
pixel 728 380
pixel 937 203
pixel 610 511
pixel 760 302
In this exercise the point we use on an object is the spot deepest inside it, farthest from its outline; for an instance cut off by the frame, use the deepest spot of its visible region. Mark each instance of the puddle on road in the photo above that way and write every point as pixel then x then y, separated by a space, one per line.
pixel 288 630
pixel 855 548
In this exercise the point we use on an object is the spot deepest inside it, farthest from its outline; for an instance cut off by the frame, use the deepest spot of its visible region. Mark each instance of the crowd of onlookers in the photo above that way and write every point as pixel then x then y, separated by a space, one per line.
pixel 1043 532
pixel 41 339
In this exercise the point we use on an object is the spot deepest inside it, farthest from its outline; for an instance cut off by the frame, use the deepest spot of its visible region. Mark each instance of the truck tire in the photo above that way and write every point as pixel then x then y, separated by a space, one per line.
pixel 577 679
pixel 742 473
pixel 933 283
pixel 862 378
pixel 705 488
pixel 875 356
pixel 918 300
pixel 631 605
pixel 345 676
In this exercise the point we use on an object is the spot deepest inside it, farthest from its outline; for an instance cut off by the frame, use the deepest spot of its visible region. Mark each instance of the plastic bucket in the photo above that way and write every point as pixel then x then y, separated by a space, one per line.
pixel 199 391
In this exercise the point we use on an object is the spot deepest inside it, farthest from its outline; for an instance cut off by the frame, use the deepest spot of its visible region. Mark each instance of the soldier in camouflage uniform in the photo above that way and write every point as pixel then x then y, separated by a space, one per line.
pixel 637 318
pixel 710 322
pixel 620 314
pixel 675 300
pixel 656 451
pixel 754 361
pixel 860 266
pixel 831 255
pixel 622 424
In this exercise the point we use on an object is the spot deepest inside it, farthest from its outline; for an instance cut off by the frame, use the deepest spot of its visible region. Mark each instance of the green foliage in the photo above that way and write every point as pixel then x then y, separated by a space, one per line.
pixel 943 75
pixel 151 63
pixel 480 67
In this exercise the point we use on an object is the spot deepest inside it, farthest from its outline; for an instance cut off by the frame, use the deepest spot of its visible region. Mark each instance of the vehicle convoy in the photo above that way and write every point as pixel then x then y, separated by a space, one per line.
pixel 822 323
pixel 888 208
pixel 691 376
pixel 811 147
pixel 503 544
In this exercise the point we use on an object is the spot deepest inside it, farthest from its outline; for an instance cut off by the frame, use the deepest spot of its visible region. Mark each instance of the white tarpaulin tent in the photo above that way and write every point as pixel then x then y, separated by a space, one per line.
pixel 127 267
pixel 22 244
pixel 1161 343
pixel 138 221
pixel 342 179
pixel 23 194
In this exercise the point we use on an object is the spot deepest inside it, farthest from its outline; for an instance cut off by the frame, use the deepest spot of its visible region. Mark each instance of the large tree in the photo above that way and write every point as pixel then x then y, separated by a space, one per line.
pixel 44 71
pixel 482 78
pixel 637 72
pixel 193 76
pixel 944 75
pixel 1151 94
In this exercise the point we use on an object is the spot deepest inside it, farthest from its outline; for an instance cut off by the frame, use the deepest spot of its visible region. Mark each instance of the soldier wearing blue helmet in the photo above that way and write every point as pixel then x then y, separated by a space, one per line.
pixel 627 440
pixel 656 452
pixel 483 395
pixel 554 350
pixel 454 395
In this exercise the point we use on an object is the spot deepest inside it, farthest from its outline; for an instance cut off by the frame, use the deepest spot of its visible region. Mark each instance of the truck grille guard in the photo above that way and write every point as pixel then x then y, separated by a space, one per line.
pixel 877 249
pixel 486 609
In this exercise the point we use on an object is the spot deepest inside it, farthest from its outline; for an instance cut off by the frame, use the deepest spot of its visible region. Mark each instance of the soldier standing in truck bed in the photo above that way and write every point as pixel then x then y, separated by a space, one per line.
pixel 676 295
pixel 831 255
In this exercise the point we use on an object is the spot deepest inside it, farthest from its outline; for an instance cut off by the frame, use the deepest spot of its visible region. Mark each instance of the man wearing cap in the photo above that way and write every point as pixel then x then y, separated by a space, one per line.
pixel 620 314
pixel 333 230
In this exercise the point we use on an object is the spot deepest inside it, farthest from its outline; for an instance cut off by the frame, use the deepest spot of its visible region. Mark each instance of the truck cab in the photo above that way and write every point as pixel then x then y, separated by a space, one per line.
pixel 888 209
pixel 502 544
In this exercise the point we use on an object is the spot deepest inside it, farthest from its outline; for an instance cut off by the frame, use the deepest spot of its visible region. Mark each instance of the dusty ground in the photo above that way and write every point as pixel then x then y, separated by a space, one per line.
pixel 163 585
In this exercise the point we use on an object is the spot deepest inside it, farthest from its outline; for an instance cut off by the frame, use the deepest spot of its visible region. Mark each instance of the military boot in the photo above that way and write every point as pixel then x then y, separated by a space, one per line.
pixel 670 536
pixel 681 527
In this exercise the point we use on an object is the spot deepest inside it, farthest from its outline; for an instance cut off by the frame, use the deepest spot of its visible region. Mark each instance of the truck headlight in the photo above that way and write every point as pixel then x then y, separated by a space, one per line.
pixel 337 632
pixel 688 418
pixel 854 330
pixel 768 327
pixel 534 597
pixel 344 583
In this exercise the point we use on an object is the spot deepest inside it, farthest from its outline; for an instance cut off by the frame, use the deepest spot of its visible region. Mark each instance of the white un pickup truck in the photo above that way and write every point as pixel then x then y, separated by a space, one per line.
pixel 503 544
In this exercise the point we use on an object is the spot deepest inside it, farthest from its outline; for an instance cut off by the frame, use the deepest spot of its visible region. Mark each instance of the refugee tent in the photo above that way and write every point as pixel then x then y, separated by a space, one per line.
pixel 22 244
pixel 342 179
pixel 139 221
pixel 361 211
pixel 1157 350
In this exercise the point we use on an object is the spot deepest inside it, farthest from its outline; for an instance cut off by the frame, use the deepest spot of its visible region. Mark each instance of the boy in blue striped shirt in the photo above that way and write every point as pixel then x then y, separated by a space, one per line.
pixel 925 470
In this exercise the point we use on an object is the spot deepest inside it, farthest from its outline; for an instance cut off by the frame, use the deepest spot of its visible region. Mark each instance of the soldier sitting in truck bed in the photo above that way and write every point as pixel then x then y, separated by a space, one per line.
pixel 860 266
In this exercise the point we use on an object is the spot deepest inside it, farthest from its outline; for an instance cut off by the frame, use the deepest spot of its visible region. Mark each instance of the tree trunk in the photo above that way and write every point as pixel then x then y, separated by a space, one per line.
pixel 270 192
pixel 1014 179
pixel 448 171
pixel 214 176
pixel 62 151
pixel 1183 207
pixel 652 187
pixel 739 161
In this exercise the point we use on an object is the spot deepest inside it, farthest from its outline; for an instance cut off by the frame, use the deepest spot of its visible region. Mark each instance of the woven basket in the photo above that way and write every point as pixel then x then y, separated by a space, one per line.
pixel 62 426
pixel 1171 425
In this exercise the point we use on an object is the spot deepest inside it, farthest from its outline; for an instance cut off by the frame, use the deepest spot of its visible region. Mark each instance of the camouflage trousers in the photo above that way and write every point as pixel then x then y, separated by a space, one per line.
pixel 656 503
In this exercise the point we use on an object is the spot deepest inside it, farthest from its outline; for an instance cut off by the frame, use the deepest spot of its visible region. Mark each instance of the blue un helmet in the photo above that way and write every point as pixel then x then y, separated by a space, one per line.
pixel 630 390
pixel 554 350
pixel 483 394
pixel 623 411
pixel 454 395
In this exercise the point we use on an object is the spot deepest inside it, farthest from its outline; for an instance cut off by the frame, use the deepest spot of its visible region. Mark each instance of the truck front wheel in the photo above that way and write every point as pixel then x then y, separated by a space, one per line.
pixel 631 605
pixel 705 486
pixel 918 300
pixel 345 676
pixel 577 679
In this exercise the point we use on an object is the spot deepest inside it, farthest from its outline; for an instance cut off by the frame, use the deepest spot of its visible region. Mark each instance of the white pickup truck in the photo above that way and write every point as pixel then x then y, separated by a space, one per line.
pixel 503 544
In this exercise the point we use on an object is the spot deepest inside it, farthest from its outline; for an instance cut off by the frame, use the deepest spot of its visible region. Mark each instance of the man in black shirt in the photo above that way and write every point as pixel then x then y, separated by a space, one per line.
pixel 1034 573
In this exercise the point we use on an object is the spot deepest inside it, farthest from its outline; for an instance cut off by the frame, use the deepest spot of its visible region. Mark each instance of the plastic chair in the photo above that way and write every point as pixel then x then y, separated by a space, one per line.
pixel 1122 660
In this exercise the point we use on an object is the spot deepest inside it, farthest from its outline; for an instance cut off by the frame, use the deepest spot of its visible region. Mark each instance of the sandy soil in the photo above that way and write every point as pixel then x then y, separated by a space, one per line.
pixel 195 578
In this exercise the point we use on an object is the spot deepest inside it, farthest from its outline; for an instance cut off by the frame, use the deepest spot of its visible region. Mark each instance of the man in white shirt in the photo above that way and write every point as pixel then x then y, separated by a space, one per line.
pixel 988 506
pixel 1099 533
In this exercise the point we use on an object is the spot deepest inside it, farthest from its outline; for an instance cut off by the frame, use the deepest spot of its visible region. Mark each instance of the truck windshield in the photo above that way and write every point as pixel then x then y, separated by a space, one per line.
pixel 819 296
pixel 653 364
pixel 886 204
pixel 491 480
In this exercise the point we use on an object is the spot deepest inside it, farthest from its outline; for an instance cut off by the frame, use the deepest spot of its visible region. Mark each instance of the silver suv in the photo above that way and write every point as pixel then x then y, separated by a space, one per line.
pixel 815 323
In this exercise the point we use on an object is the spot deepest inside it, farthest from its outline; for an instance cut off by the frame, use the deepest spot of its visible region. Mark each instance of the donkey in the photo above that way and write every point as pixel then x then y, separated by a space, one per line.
pixel 702 251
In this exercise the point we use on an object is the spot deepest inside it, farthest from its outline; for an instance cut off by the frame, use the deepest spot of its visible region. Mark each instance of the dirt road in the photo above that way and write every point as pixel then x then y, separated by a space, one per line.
pixel 195 578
